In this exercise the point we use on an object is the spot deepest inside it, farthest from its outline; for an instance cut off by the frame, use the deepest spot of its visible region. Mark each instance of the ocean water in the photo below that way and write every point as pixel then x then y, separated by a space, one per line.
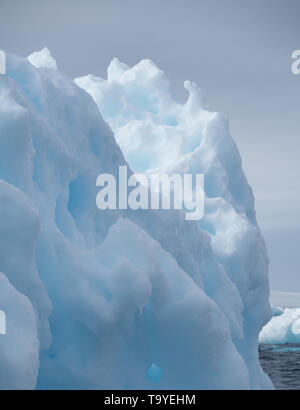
pixel 282 364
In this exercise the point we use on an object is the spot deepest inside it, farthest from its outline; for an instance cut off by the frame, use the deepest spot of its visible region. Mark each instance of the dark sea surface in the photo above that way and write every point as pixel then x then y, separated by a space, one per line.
pixel 282 364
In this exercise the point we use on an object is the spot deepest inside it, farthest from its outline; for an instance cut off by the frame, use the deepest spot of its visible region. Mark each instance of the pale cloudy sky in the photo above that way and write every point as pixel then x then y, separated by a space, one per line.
pixel 238 52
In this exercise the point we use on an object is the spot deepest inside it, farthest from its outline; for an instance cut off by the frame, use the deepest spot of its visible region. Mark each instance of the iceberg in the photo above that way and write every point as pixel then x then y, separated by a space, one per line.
pixel 42 58
pixel 122 299
pixel 277 310
pixel 283 328
pixel 19 348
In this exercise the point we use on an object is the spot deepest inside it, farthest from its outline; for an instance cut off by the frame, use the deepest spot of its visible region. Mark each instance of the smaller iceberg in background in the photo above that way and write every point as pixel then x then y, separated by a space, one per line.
pixel 282 328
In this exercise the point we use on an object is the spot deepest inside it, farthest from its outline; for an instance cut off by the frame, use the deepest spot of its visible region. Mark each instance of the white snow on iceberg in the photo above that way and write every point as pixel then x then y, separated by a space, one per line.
pixel 42 59
pixel 126 299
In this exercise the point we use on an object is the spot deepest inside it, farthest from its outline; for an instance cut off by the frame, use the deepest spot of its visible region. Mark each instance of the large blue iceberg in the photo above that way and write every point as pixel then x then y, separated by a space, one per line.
pixel 122 299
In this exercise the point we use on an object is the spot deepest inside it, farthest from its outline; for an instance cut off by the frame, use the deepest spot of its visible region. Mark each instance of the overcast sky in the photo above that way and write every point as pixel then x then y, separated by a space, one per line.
pixel 237 51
